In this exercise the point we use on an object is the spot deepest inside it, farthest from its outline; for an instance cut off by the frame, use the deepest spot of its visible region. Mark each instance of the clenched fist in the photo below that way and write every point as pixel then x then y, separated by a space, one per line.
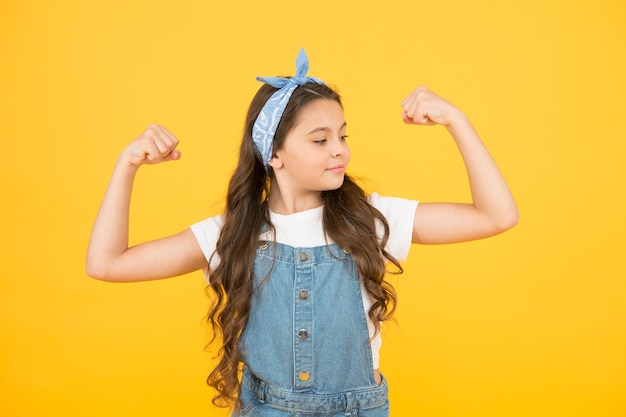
pixel 156 144
pixel 423 107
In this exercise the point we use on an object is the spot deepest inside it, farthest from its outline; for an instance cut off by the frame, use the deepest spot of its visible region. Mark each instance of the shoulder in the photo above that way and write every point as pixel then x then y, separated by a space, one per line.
pixel 207 232
pixel 209 226
pixel 390 206
pixel 400 216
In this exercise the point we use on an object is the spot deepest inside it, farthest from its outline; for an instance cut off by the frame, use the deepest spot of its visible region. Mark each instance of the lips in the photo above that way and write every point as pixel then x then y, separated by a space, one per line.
pixel 339 169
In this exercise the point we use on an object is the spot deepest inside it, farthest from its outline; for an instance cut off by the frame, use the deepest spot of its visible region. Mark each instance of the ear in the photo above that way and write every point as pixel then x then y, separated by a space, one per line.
pixel 276 162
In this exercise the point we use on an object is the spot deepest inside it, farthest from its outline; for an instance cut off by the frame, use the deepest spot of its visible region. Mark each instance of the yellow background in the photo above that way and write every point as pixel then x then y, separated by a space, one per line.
pixel 529 323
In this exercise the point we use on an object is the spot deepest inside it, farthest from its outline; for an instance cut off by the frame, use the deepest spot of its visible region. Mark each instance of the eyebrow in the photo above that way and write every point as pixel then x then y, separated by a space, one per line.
pixel 320 129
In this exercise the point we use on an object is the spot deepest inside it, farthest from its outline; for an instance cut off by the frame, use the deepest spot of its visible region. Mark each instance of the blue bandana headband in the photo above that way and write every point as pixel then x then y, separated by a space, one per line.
pixel 266 123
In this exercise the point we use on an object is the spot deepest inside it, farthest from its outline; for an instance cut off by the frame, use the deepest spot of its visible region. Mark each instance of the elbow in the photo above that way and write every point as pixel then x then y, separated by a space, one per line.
pixel 97 271
pixel 508 221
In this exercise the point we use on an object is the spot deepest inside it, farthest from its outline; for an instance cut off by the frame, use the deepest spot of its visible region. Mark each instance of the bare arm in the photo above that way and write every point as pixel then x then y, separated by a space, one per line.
pixel 493 209
pixel 109 258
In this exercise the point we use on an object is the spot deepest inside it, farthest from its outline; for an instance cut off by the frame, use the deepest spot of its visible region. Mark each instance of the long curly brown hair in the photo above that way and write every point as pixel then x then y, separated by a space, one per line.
pixel 348 218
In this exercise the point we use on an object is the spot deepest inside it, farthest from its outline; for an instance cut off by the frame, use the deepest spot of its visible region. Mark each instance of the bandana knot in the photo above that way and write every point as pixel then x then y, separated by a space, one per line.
pixel 268 119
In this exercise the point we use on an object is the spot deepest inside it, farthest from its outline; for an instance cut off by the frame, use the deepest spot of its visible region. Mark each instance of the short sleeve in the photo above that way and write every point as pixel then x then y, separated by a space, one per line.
pixel 400 215
pixel 207 232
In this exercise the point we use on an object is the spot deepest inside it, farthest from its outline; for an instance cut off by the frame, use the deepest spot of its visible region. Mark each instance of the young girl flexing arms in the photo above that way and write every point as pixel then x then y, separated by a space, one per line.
pixel 297 261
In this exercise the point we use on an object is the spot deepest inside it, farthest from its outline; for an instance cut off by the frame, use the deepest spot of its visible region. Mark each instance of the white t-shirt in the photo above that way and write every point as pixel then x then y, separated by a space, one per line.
pixel 305 230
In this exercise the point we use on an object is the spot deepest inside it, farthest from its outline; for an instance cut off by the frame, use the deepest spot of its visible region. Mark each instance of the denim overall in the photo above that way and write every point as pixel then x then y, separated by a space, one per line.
pixel 306 345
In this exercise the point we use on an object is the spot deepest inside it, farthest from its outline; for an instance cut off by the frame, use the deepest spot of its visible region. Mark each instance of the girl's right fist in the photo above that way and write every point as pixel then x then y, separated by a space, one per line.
pixel 156 144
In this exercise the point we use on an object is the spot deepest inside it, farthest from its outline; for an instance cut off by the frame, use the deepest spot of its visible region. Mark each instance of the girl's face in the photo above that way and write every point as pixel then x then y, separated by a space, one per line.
pixel 314 155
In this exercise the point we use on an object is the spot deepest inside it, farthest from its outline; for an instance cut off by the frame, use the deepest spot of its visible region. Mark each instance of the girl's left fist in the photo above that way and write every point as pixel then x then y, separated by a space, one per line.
pixel 423 107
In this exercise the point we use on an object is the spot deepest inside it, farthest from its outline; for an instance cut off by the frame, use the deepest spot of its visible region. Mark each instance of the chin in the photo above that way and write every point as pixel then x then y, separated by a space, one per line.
pixel 334 186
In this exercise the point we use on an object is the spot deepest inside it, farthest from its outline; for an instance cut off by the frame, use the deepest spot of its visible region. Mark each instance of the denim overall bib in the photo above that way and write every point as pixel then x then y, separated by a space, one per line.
pixel 306 345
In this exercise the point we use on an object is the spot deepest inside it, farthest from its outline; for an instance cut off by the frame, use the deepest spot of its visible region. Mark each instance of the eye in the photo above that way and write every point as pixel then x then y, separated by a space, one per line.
pixel 320 141
pixel 344 137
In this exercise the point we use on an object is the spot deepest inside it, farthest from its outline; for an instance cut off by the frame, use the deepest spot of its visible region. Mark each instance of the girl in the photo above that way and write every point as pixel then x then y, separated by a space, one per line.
pixel 298 259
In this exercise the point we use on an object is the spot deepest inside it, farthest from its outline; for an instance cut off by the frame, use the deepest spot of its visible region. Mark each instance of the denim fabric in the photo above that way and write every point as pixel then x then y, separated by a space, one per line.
pixel 261 399
pixel 306 345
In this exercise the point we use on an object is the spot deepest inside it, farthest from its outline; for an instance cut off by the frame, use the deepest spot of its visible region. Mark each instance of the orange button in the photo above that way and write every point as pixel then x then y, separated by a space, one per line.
pixel 304 375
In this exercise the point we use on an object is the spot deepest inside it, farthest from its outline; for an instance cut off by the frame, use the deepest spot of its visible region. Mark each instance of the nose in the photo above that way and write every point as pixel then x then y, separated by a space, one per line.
pixel 340 148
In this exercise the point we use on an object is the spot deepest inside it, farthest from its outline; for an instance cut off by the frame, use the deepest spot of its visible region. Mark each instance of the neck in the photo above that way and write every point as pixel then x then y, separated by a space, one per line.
pixel 289 203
